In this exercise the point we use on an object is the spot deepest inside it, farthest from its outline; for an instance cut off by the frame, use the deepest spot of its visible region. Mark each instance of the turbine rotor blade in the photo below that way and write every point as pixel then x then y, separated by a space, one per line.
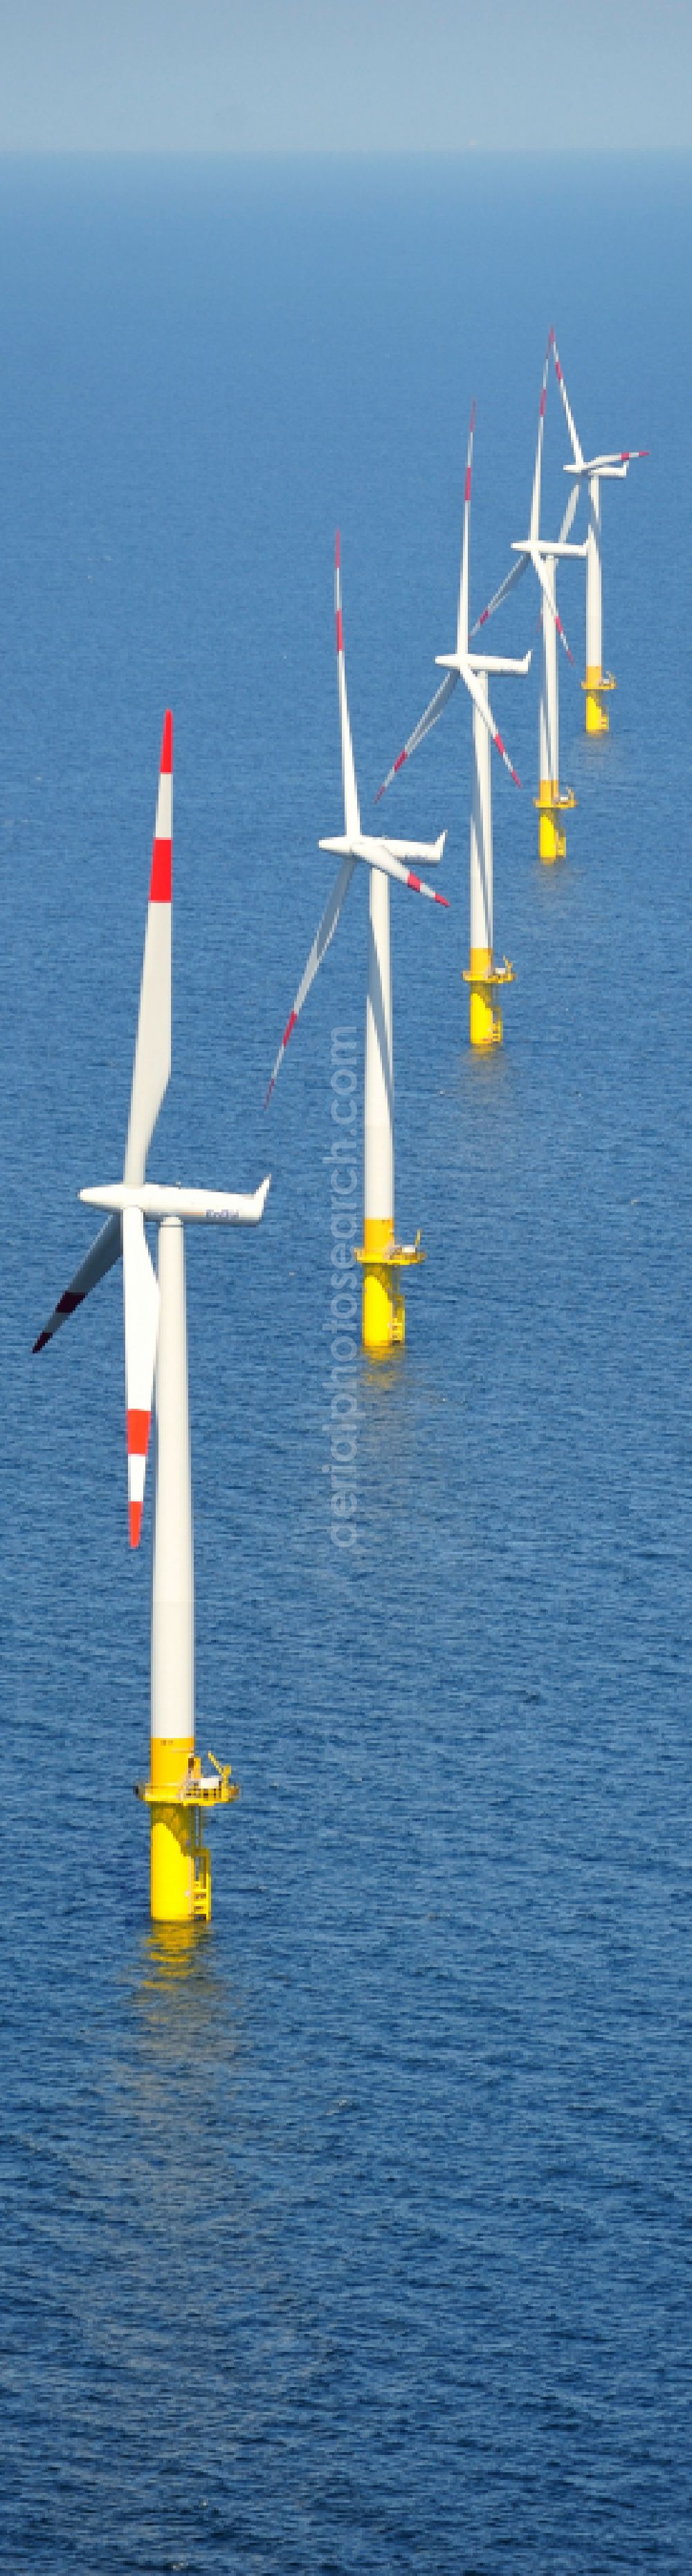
pixel 425 725
pixel 405 876
pixel 485 710
pixel 320 944
pixel 152 1064
pixel 463 611
pixel 518 568
pixel 549 596
pixel 106 1249
pixel 577 451
pixel 348 771
pixel 141 1303
pixel 534 521
pixel 570 513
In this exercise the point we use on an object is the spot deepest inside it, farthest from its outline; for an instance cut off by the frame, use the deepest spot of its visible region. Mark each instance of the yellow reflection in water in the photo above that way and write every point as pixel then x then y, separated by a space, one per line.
pixel 173 1952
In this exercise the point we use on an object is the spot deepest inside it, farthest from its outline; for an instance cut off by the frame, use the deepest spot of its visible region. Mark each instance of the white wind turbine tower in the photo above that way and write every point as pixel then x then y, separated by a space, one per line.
pixel 381 1257
pixel 482 974
pixel 594 471
pixel 544 554
pixel 156 1341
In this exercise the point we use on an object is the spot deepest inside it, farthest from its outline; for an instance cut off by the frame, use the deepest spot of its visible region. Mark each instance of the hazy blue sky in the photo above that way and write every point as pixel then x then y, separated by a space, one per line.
pixel 320 75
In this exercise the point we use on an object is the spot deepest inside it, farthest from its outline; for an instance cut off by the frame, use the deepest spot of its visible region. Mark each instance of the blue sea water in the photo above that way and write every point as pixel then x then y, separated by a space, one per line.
pixel 353 2233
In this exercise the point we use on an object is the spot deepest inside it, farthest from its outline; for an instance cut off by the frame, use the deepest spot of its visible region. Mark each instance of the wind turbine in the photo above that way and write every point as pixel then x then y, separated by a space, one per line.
pixel 543 555
pixel 381 1257
pixel 156 1341
pixel 594 471
pixel 482 974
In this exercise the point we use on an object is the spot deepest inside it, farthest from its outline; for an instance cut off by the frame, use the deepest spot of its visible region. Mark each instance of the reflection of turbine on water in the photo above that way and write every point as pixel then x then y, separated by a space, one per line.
pixel 174 1952
pixel 184 2014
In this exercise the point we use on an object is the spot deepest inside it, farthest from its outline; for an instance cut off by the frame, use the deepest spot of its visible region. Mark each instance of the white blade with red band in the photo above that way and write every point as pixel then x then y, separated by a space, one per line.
pixel 613 467
pixel 318 950
pixel 152 1063
pixel 463 615
pixel 104 1252
pixel 348 771
pixel 424 726
pixel 382 854
pixel 141 1300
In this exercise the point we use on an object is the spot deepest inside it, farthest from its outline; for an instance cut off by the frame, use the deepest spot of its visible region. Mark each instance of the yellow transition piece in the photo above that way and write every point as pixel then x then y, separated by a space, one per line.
pixel 596 684
pixel 485 1027
pixel 552 839
pixel 176 1794
pixel 381 1258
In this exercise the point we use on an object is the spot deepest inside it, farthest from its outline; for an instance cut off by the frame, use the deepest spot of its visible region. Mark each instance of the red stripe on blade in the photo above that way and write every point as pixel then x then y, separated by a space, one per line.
pixel 467 485
pixel 288 1031
pixel 398 764
pixel 413 881
pixel 137 1431
pixel 499 745
pixel 339 632
pixel 541 407
pixel 135 1523
pixel 167 744
pixel 442 898
pixel 67 1303
pixel 484 619
pixel 161 868
pixel 41 1343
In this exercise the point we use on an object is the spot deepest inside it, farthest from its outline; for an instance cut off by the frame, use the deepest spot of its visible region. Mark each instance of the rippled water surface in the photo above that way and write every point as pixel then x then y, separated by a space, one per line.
pixel 352 2234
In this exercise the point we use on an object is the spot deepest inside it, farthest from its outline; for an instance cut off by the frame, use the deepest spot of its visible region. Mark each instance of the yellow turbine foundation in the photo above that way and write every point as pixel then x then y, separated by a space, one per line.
pixel 552 839
pixel 172 1863
pixel 485 1016
pixel 596 686
pixel 180 1862
pixel 384 1312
